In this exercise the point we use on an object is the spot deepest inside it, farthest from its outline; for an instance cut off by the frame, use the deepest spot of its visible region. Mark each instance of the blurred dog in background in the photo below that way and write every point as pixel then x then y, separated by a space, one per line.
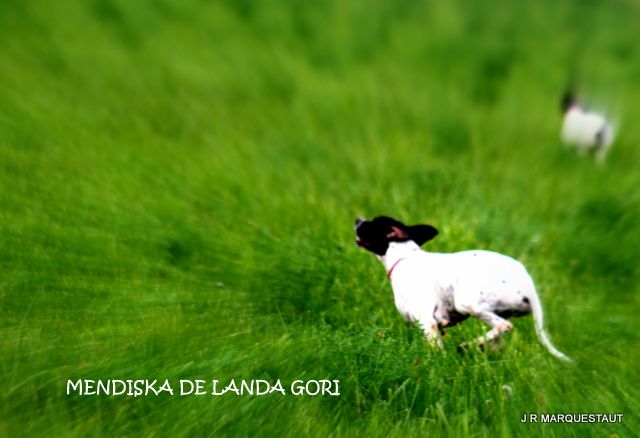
pixel 584 130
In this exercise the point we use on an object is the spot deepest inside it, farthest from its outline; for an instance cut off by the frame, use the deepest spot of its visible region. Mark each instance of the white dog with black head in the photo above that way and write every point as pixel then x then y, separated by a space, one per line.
pixel 440 290
pixel 586 131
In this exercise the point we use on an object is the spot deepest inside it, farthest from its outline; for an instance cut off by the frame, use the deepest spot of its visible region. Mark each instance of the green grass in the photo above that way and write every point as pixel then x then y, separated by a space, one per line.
pixel 178 186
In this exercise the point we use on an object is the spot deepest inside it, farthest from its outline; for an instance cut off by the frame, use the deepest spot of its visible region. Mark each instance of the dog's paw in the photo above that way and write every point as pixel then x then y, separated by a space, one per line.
pixel 496 345
pixel 435 343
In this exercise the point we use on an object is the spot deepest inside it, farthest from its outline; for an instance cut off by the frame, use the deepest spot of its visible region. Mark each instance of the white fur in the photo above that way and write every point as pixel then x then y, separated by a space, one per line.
pixel 435 289
pixel 587 132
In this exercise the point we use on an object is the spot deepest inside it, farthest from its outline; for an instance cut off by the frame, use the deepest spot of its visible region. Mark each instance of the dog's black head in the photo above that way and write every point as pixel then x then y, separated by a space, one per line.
pixel 375 235
pixel 568 100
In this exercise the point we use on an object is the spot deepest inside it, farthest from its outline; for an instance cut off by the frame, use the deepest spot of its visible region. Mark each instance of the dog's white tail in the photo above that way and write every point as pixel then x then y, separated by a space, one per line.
pixel 538 320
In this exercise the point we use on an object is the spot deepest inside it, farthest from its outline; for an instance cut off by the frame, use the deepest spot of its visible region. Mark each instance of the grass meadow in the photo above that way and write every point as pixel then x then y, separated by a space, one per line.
pixel 179 181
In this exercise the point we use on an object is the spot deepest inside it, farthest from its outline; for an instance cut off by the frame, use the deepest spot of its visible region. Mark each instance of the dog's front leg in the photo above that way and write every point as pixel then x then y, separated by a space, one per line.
pixel 430 329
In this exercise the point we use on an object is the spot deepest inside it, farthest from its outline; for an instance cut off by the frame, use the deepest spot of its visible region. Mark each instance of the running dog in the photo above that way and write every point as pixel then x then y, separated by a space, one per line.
pixel 440 290
pixel 584 130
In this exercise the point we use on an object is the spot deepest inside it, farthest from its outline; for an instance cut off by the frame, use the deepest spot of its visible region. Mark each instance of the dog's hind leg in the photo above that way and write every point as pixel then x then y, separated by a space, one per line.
pixel 499 326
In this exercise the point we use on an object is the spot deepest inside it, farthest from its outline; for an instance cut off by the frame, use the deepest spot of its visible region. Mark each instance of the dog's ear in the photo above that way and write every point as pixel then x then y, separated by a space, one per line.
pixel 421 233
pixel 397 233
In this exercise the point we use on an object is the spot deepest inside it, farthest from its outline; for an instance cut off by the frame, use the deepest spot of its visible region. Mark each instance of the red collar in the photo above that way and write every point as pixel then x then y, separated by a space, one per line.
pixel 390 271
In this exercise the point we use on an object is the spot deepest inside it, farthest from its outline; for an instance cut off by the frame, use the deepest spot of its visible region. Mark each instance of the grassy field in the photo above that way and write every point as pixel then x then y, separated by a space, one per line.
pixel 179 181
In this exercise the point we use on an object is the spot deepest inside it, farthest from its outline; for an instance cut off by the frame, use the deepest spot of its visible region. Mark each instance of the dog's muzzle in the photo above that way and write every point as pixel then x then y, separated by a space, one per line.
pixel 359 242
